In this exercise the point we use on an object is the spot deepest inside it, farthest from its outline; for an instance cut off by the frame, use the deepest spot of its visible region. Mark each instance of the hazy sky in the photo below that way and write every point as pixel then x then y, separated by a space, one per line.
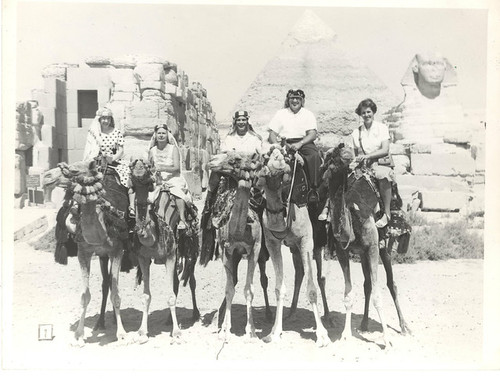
pixel 225 46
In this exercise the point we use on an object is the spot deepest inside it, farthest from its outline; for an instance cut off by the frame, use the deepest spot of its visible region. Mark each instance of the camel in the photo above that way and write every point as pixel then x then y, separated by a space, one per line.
pixel 352 199
pixel 158 241
pixel 100 230
pixel 238 232
pixel 295 232
pixel 61 176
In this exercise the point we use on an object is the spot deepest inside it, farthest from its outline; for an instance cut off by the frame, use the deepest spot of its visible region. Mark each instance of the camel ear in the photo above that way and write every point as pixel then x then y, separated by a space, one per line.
pixel 131 160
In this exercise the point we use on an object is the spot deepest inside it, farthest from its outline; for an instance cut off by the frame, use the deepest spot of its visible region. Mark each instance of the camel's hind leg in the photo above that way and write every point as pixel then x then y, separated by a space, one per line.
pixel 116 262
pixel 231 268
pixel 322 338
pixel 172 295
pixel 321 282
pixel 369 261
pixel 274 247
pixel 84 259
pixel 106 286
pixel 386 256
pixel 343 257
pixel 192 286
pixel 145 265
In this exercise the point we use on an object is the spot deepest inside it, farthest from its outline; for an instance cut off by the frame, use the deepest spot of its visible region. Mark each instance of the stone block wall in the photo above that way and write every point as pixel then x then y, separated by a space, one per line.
pixel 142 91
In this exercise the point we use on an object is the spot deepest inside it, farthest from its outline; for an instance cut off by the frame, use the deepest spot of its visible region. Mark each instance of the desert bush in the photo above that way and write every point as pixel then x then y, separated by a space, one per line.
pixel 443 241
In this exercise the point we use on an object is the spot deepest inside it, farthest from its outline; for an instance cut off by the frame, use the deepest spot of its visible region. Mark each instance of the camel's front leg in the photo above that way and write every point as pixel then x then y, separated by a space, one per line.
pixel 274 247
pixel 171 294
pixel 343 257
pixel 116 262
pixel 145 265
pixel 230 268
pixel 321 283
pixel 312 292
pixel 299 277
pixel 264 281
pixel 84 260
pixel 103 261
pixel 249 289
pixel 372 260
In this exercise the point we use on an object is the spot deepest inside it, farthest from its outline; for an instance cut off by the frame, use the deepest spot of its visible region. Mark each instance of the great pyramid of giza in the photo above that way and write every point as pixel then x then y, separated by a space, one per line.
pixel 333 79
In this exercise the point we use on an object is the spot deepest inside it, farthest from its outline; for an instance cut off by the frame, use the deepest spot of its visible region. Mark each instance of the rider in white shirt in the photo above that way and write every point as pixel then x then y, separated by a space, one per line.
pixel 298 125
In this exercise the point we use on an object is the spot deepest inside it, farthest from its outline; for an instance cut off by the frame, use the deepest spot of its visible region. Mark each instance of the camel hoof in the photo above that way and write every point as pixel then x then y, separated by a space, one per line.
pixel 251 336
pixel 142 338
pixel 176 333
pixel 322 341
pixel 406 331
pixel 224 336
pixel 77 342
pixel 271 338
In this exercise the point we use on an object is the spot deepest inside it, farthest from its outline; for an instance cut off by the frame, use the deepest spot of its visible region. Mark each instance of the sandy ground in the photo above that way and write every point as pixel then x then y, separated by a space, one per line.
pixel 442 303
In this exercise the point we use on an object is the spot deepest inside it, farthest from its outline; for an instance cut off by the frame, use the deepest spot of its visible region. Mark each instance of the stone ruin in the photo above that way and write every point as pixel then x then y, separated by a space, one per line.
pixel 142 92
pixel 438 152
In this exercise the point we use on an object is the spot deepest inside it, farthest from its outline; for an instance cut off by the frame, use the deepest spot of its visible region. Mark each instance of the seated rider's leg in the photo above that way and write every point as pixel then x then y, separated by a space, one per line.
pixel 181 207
pixel 312 164
pixel 131 202
pixel 385 189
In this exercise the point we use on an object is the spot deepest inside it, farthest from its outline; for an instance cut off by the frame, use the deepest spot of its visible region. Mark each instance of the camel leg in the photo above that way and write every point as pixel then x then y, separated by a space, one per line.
pixel 231 268
pixel 172 295
pixel 372 257
pixel 235 261
pixel 264 282
pixel 299 276
pixel 343 257
pixel 249 289
pixel 274 247
pixel 322 338
pixel 386 256
pixel 367 287
pixel 176 291
pixel 116 262
pixel 84 259
pixel 103 261
pixel 145 265
pixel 192 286
pixel 321 283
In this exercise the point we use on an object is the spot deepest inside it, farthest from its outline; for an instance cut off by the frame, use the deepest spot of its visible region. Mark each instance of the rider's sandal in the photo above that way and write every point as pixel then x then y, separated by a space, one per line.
pixel 382 222
pixel 324 214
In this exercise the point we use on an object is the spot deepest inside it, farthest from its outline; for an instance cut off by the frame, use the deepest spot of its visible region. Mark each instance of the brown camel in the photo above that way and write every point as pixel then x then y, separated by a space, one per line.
pixel 353 199
pixel 295 231
pixel 160 241
pixel 98 223
pixel 238 231
pixel 64 176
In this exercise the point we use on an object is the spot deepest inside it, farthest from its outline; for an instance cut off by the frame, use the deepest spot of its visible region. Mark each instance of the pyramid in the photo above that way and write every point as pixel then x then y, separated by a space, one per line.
pixel 333 79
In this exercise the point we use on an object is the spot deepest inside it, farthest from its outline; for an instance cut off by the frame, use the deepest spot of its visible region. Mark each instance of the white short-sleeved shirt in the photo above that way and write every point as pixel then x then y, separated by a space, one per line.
pixel 247 143
pixel 290 125
pixel 371 139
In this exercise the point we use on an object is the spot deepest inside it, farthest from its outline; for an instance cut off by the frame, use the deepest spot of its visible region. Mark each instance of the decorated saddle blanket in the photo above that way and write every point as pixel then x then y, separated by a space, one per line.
pixel 300 187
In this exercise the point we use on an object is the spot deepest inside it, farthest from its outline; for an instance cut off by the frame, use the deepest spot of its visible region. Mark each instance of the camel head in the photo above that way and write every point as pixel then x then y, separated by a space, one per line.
pixel 242 167
pixel 276 169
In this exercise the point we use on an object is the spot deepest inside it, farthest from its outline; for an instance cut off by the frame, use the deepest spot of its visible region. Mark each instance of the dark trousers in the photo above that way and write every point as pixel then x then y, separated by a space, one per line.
pixel 312 162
